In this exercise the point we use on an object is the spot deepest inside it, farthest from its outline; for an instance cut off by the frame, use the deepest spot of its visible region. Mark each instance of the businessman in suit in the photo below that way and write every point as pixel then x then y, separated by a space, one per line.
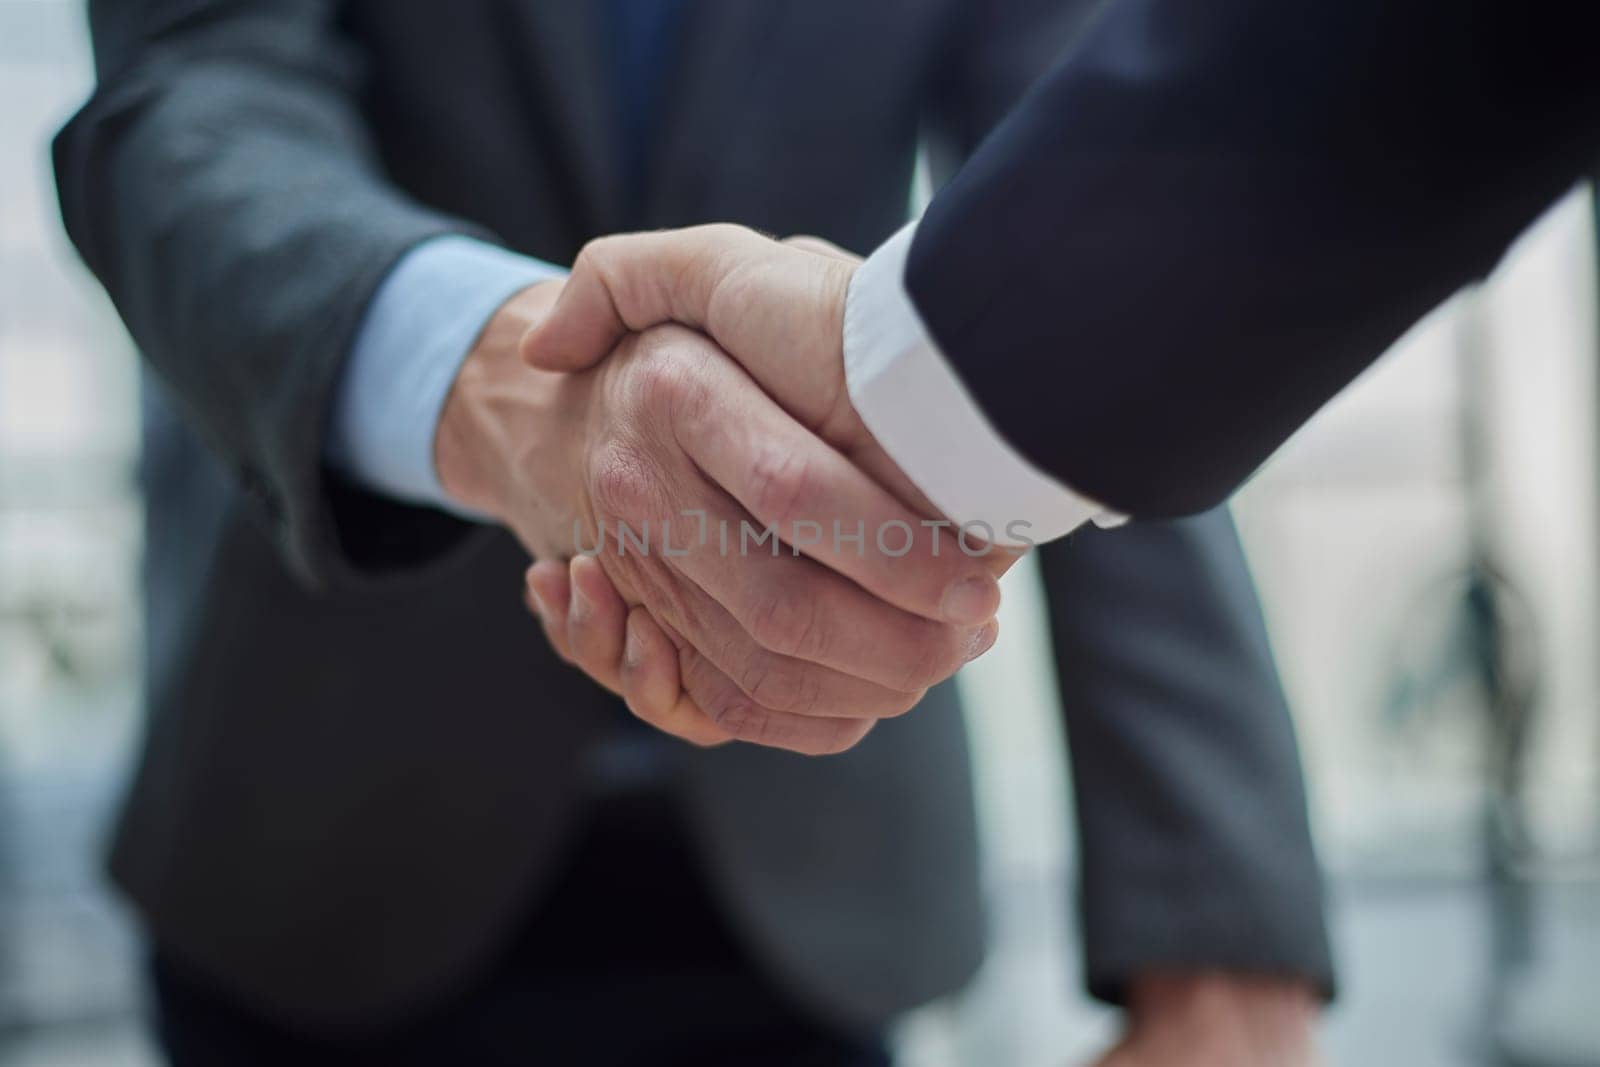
pixel 373 820
pixel 1198 227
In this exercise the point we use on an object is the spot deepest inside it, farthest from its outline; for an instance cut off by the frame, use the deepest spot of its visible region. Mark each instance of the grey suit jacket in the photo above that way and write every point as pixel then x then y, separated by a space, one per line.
pixel 362 762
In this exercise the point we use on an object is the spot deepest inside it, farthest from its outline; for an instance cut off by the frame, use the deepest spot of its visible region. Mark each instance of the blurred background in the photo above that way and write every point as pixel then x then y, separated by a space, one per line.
pixel 1427 551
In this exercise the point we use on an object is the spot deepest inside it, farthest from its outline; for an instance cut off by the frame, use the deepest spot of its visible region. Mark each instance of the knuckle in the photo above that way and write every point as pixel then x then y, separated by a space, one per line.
pixel 606 260
pixel 728 709
pixel 668 381
pixel 739 718
pixel 762 680
pixel 780 483
pixel 780 684
pixel 722 239
pixel 744 720
pixel 596 257
pixel 936 657
pixel 623 483
pixel 786 621
pixel 727 231
pixel 592 253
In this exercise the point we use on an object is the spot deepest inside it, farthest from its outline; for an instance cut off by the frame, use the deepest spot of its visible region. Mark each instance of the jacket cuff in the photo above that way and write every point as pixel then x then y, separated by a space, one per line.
pixel 1186 925
pixel 922 415
pixel 420 325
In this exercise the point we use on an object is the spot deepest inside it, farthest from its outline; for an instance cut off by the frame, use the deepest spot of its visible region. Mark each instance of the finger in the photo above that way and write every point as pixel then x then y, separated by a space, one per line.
pixel 596 622
pixel 694 575
pixel 787 684
pixel 819 246
pixel 547 591
pixel 646 675
pixel 695 700
pixel 880 685
pixel 631 657
pixel 743 719
pixel 820 503
pixel 626 283
pixel 651 688
pixel 773 620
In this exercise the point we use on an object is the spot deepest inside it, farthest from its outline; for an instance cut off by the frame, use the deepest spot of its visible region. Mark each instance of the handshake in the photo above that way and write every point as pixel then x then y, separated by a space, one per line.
pixel 718 538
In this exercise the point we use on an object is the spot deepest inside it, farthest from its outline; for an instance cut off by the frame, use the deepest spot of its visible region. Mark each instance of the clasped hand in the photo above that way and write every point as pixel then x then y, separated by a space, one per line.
pixel 646 465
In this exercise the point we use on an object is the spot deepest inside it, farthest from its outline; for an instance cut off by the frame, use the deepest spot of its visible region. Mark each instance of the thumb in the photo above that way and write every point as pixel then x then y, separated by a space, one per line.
pixel 580 329
pixel 627 283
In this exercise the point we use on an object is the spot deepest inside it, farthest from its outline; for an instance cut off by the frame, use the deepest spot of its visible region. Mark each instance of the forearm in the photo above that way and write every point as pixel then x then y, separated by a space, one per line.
pixel 1209 219
pixel 1192 811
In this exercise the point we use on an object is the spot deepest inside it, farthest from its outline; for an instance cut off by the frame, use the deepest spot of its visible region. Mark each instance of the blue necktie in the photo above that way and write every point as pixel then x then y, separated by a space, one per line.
pixel 645 32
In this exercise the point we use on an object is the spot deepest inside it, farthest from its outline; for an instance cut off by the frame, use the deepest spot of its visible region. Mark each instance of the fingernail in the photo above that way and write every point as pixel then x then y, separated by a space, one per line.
pixel 579 609
pixel 982 641
pixel 971 601
pixel 535 601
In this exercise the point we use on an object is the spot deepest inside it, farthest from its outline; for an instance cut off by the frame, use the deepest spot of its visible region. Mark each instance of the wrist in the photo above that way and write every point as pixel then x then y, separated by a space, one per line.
pixel 1237 1018
pixel 473 452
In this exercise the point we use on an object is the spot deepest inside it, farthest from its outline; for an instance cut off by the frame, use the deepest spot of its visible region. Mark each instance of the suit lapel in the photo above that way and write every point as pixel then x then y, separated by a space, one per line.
pixel 567 73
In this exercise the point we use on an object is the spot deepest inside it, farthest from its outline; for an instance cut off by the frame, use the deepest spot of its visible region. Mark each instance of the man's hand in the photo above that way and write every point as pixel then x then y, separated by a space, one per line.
pixel 776 307
pixel 1218 1020
pixel 671 440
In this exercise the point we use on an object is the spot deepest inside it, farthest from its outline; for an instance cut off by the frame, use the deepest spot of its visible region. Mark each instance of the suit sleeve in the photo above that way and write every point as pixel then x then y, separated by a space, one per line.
pixel 1196 847
pixel 1210 217
pixel 997 51
pixel 222 185
pixel 1190 798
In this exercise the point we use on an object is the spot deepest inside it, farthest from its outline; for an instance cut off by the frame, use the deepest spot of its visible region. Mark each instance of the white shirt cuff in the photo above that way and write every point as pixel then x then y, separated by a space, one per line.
pixel 908 395
pixel 420 325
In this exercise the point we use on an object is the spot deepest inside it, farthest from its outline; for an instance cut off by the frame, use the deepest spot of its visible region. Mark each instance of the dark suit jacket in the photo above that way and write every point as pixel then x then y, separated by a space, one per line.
pixel 1211 216
pixel 362 761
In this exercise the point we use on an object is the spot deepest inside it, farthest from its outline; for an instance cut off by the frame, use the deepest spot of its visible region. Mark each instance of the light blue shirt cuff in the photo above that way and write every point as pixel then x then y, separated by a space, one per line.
pixel 421 324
